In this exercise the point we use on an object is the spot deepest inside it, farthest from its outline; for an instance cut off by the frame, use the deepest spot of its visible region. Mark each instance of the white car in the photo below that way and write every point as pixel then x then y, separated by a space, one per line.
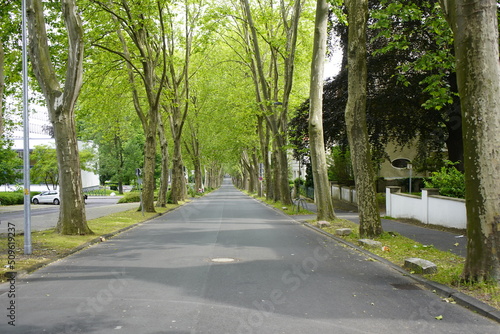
pixel 51 196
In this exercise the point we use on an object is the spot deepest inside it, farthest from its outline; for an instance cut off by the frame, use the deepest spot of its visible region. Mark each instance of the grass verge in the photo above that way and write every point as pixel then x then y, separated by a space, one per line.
pixel 398 248
pixel 288 209
pixel 49 246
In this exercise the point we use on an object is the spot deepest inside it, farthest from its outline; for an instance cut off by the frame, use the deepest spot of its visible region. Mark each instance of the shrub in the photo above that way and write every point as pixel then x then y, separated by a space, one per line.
pixel 296 184
pixel 192 192
pixel 449 180
pixel 341 169
pixel 11 198
pixel 130 197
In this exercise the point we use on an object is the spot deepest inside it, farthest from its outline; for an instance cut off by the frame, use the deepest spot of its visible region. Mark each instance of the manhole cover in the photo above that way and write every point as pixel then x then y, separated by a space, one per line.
pixel 223 260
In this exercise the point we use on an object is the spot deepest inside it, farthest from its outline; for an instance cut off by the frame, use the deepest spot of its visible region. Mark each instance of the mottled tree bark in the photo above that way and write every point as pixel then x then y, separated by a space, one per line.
pixel 263 133
pixel 475 28
pixel 61 104
pixel 178 191
pixel 162 191
pixel 322 195
pixel 355 117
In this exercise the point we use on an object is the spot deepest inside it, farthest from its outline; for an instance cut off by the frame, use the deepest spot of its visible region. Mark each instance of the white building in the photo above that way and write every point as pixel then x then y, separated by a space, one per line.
pixel 39 126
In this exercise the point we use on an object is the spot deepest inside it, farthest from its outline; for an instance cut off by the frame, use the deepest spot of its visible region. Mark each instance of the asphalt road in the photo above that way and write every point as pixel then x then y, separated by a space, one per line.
pixel 285 278
pixel 45 216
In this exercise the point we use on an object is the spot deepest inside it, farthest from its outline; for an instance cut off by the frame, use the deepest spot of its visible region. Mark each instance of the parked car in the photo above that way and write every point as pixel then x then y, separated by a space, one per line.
pixel 51 196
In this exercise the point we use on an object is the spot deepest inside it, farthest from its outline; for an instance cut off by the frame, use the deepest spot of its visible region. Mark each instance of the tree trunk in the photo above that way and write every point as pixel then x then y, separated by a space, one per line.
pixel 322 195
pixel 214 180
pixel 355 118
pixel 256 166
pixel 178 191
pixel 119 157
pixel 245 178
pixel 162 192
pixel 284 184
pixel 72 218
pixel 250 177
pixel 198 176
pixel 149 167
pixel 149 120
pixel 267 93
pixel 475 28
pixel 193 150
pixel 61 104
pixel 263 133
pixel 275 166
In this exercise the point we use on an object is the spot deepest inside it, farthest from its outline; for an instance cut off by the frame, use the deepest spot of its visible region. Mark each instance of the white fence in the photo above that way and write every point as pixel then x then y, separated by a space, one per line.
pixel 429 209
pixel 347 194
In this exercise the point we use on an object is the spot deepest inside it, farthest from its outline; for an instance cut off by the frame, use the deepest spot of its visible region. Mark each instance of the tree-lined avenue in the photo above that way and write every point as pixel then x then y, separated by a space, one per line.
pixel 285 278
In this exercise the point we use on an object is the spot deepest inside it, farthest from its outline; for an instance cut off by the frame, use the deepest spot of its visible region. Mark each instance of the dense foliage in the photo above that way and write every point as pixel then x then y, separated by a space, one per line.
pixel 411 95
pixel 340 170
pixel 449 181
pixel 10 164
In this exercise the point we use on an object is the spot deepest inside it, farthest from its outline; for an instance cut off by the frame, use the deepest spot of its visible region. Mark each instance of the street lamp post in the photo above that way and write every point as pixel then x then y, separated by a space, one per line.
pixel 26 149
pixel 410 168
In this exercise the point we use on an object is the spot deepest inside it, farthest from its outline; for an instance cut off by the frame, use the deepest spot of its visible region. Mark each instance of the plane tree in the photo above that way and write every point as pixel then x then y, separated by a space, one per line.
pixel 135 34
pixel 106 117
pixel 275 39
pixel 317 146
pixel 61 90
pixel 476 45
pixel 355 119
pixel 190 28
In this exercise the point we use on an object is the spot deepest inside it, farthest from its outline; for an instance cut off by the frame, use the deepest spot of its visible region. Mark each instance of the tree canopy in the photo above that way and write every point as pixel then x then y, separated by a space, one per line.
pixel 412 92
pixel 10 163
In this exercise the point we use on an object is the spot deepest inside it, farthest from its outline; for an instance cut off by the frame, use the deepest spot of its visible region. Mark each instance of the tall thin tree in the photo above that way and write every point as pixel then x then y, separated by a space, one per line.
pixel 355 118
pixel 61 99
pixel 475 28
pixel 318 156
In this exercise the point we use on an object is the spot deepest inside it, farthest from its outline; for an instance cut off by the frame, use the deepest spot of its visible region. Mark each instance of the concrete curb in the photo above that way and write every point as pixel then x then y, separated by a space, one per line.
pixel 440 289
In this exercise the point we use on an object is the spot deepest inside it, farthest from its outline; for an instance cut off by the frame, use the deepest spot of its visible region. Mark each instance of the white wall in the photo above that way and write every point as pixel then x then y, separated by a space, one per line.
pixel 447 212
pixel 347 194
pixel 89 179
pixel 429 209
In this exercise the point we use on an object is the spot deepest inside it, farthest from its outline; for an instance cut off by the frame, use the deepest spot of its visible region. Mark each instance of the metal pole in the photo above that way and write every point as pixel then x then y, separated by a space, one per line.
pixel 26 148
pixel 410 167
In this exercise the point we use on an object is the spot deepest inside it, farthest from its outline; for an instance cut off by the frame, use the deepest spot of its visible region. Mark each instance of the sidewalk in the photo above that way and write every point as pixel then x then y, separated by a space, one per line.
pixel 43 220
pixel 445 241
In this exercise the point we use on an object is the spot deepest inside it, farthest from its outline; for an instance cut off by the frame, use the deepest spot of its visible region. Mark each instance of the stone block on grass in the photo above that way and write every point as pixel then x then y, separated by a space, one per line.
pixel 420 266
pixel 343 231
pixel 369 243
pixel 323 223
